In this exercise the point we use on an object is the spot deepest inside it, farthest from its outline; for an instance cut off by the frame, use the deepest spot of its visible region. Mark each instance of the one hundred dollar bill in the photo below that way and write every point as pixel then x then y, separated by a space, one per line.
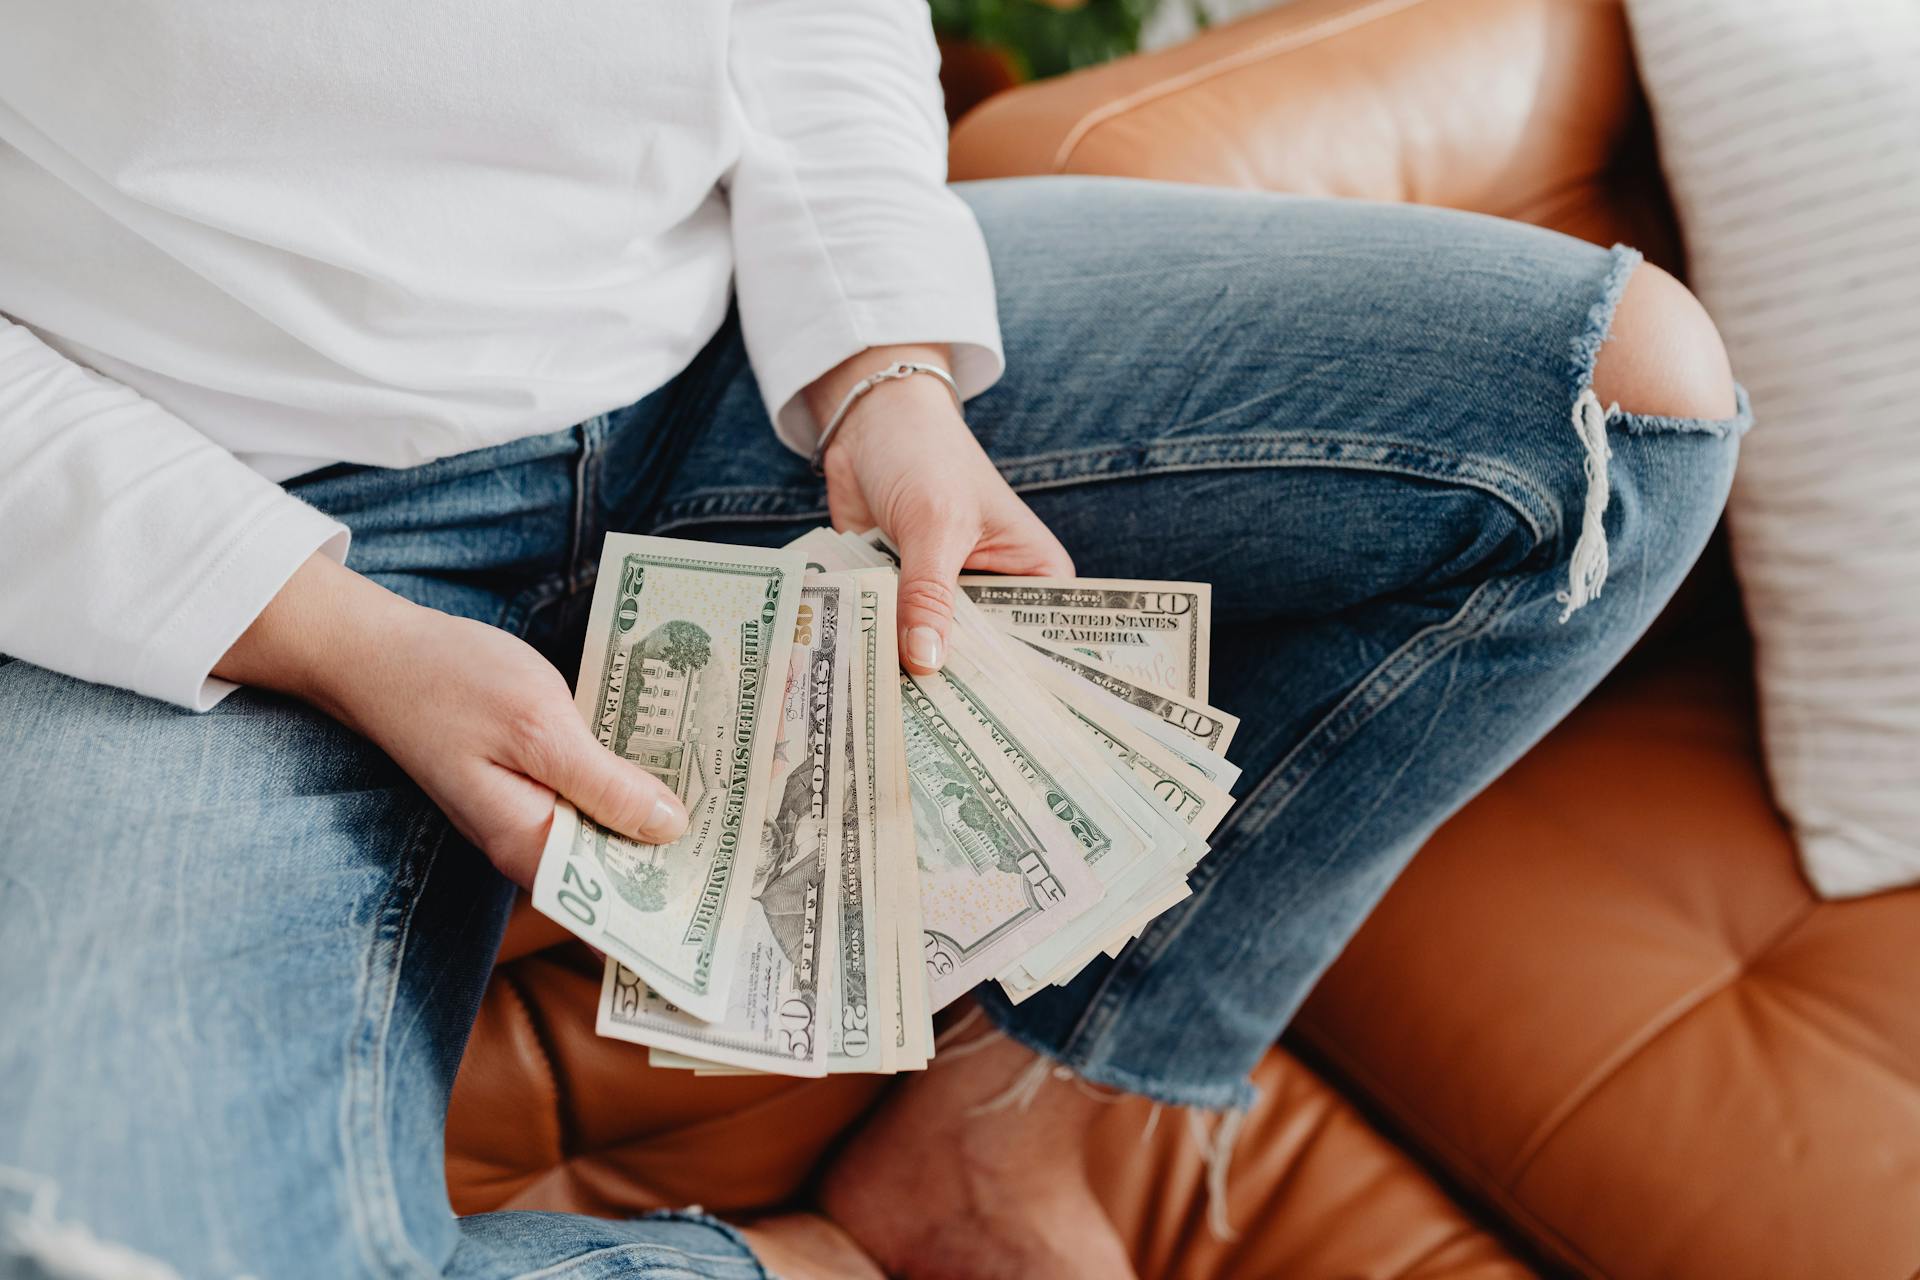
pixel 774 1019
pixel 1154 633
pixel 687 647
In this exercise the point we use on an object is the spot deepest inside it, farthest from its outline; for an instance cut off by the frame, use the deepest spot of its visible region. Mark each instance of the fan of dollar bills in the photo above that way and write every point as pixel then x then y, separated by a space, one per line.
pixel 865 845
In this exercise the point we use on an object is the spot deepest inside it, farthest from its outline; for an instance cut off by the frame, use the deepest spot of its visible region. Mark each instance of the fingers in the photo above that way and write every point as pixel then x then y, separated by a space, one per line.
pixel 944 509
pixel 846 506
pixel 505 814
pixel 616 793
pixel 1052 560
pixel 930 560
pixel 1049 557
pixel 1018 543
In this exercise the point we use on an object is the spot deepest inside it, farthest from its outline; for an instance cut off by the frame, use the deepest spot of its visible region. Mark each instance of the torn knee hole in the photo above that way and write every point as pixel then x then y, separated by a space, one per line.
pixel 1662 356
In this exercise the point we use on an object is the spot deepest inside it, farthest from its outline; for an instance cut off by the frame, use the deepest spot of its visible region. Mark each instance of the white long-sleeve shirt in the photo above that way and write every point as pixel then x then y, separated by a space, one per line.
pixel 239 241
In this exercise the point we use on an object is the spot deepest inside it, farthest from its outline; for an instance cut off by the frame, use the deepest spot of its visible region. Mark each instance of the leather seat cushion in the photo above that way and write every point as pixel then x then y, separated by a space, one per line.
pixel 1604 999
pixel 546 1115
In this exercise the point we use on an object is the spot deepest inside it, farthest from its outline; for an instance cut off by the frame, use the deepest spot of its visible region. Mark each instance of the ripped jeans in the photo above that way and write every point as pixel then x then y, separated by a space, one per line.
pixel 242 952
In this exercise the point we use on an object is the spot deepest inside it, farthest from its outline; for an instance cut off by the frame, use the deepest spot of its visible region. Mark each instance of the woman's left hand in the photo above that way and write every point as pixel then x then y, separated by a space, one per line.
pixel 905 461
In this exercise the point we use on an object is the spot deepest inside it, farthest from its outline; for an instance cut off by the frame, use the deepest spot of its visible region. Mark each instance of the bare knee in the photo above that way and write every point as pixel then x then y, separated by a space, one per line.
pixel 1663 356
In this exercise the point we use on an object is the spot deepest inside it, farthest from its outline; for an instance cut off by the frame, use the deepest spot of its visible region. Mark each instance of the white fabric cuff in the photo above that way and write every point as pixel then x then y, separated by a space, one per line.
pixel 842 332
pixel 178 662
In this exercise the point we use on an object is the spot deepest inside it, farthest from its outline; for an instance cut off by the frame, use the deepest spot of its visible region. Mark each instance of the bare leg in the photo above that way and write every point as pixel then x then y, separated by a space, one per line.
pixel 804 1246
pixel 940 1185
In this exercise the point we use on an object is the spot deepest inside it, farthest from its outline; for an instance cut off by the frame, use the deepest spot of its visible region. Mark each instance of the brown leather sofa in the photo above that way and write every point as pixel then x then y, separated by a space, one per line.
pixel 1601 1027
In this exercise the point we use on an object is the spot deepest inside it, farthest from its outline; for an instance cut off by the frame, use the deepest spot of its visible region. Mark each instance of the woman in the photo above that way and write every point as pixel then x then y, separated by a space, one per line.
pixel 335 340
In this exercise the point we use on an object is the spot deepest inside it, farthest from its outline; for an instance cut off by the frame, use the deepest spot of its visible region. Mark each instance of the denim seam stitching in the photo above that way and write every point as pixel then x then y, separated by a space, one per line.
pixel 1475 618
pixel 369 1173
pixel 695 1214
pixel 1418 653
pixel 1037 472
pixel 1542 520
pixel 747 504
pixel 747 1260
pixel 664 1268
pixel 1287 440
pixel 1427 463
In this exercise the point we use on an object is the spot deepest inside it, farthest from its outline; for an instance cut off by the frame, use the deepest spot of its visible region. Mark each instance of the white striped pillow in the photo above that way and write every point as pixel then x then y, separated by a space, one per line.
pixel 1790 132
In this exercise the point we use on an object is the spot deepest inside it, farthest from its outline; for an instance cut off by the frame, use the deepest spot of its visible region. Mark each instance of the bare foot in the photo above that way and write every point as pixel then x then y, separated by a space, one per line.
pixel 805 1246
pixel 936 1189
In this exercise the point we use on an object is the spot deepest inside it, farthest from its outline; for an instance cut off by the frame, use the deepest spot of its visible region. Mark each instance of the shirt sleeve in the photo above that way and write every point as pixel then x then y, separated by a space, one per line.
pixel 845 233
pixel 133 550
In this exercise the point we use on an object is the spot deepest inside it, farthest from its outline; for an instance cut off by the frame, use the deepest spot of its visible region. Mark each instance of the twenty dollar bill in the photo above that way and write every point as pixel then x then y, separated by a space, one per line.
pixel 775 1019
pixel 686 656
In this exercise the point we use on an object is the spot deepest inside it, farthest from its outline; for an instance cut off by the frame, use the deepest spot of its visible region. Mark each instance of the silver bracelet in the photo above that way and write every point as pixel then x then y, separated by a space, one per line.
pixel 892 373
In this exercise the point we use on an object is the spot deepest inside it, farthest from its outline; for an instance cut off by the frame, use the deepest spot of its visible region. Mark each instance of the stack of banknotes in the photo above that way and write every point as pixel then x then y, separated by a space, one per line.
pixel 866 845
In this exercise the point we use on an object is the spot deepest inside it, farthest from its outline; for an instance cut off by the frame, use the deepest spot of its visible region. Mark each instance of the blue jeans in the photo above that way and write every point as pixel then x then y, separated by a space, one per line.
pixel 242 951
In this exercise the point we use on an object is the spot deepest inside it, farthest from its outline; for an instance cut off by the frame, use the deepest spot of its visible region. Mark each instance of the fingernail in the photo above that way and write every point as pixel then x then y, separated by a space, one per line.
pixel 668 821
pixel 923 648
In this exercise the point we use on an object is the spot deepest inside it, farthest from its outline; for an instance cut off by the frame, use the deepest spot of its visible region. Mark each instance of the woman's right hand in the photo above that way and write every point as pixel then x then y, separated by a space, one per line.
pixel 476 716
